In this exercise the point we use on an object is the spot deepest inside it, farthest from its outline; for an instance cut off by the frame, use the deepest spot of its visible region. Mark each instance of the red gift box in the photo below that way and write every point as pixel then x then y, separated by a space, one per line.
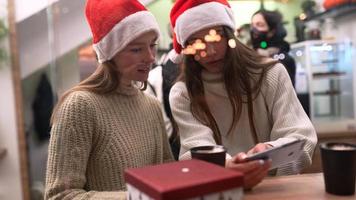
pixel 183 180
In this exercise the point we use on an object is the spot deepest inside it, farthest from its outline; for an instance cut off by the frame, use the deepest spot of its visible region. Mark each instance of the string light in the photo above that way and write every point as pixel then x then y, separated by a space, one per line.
pixel 212 32
pixel 203 54
pixel 282 56
pixel 209 38
pixel 200 45
pixel 189 50
pixel 232 43
pixel 299 53
pixel 302 16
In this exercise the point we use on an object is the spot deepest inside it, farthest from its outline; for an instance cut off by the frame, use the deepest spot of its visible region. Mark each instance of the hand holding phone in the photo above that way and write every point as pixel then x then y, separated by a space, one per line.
pixel 254 172
pixel 280 155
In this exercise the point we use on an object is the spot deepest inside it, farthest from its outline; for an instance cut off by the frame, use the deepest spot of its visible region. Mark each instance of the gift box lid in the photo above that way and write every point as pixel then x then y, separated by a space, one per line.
pixel 183 179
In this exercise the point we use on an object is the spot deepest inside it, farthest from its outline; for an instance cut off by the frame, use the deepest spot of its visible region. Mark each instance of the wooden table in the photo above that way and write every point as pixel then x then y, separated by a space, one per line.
pixel 296 187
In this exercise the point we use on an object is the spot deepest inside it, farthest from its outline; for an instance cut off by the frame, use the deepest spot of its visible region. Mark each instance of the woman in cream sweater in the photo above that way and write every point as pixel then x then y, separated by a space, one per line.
pixel 231 96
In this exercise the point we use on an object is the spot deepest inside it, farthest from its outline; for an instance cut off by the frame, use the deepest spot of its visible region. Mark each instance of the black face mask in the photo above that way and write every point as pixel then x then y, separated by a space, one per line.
pixel 258 38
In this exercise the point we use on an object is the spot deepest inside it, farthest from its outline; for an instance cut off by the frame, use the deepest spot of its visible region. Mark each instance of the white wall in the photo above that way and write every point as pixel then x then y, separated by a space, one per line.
pixel 69 30
pixel 345 27
pixel 41 39
pixel 26 8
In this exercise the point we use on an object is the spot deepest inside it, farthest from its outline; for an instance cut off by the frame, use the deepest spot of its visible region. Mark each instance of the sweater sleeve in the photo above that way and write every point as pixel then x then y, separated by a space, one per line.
pixel 167 153
pixel 290 122
pixel 69 150
pixel 192 132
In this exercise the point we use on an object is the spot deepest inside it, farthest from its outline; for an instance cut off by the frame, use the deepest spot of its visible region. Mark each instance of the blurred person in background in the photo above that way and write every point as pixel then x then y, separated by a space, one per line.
pixel 267 38
pixel 106 124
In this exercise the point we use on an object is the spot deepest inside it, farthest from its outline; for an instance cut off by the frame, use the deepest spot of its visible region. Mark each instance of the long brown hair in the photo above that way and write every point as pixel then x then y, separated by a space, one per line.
pixel 104 80
pixel 243 73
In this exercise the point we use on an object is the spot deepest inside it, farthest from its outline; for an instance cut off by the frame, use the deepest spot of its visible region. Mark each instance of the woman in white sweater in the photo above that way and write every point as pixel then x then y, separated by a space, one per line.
pixel 231 96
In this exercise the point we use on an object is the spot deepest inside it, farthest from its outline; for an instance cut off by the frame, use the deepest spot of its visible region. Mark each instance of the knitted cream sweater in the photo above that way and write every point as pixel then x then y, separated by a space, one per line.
pixel 278 116
pixel 97 137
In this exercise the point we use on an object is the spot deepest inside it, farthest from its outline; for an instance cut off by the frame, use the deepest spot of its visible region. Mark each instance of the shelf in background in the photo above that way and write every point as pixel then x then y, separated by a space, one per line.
pixel 338 11
pixel 328 93
pixel 2 153
pixel 328 74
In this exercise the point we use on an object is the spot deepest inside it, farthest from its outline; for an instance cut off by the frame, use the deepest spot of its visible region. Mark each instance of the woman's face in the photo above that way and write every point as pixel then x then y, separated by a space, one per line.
pixel 135 60
pixel 259 23
pixel 212 56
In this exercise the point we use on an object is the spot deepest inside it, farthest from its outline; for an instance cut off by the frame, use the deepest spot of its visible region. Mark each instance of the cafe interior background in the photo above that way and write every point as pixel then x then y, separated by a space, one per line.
pixel 45 48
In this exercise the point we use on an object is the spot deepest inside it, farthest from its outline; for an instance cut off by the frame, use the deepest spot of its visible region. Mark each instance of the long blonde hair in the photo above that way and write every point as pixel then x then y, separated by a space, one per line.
pixel 241 67
pixel 104 80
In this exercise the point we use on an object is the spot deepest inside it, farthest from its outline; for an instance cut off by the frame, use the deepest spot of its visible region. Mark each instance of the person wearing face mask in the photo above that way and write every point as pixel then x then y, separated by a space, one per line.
pixel 267 37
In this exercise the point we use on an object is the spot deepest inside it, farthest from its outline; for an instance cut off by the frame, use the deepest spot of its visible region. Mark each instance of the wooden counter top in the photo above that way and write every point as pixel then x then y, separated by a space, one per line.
pixel 296 187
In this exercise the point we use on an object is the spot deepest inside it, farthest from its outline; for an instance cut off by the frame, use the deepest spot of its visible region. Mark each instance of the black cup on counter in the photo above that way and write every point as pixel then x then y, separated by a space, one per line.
pixel 214 154
pixel 339 167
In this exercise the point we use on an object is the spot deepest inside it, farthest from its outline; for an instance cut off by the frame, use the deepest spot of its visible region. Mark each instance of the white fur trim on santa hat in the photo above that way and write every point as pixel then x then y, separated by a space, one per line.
pixel 200 17
pixel 123 33
pixel 175 57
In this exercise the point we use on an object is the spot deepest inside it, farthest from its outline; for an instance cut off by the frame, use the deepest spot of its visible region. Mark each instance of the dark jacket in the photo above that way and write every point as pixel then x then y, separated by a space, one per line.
pixel 42 108
pixel 287 61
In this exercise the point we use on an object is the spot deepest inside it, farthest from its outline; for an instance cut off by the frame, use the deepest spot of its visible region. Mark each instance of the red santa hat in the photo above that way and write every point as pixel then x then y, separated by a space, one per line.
pixel 115 23
pixel 191 16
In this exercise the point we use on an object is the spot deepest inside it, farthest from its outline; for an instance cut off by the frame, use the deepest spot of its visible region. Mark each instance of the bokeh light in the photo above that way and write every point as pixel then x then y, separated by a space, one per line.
pixel 212 32
pixel 302 16
pixel 232 43
pixel 263 44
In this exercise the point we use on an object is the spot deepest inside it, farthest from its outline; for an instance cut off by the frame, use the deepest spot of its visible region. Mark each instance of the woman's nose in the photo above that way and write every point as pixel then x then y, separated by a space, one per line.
pixel 210 49
pixel 150 56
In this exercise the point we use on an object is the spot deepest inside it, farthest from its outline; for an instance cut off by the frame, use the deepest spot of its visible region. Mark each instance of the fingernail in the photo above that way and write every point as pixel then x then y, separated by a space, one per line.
pixel 261 162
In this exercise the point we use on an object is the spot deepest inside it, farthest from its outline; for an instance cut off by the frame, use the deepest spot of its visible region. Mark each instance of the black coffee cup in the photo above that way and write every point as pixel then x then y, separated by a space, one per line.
pixel 339 167
pixel 213 154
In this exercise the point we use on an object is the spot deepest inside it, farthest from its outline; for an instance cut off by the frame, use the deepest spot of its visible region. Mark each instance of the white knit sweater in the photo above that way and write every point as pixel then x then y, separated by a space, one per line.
pixel 278 115
pixel 155 79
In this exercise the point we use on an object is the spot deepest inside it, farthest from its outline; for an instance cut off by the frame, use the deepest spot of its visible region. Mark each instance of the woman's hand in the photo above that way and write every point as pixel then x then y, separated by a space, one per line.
pixel 258 148
pixel 254 171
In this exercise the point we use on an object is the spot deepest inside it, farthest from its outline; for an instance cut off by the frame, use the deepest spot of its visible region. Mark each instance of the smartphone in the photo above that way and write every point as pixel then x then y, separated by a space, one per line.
pixel 280 155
